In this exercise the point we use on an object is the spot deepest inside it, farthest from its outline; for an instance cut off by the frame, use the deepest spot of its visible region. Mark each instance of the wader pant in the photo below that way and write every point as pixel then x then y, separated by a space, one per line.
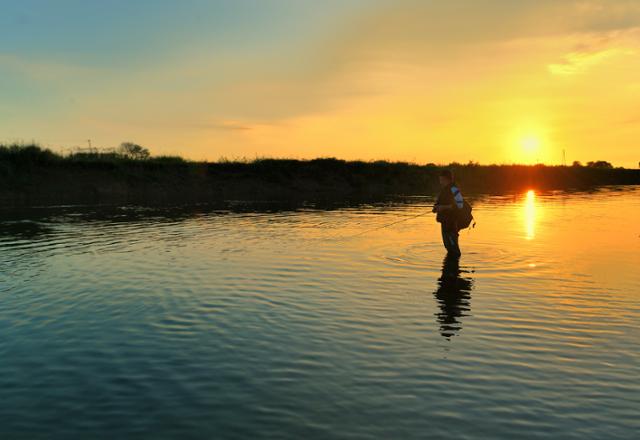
pixel 450 240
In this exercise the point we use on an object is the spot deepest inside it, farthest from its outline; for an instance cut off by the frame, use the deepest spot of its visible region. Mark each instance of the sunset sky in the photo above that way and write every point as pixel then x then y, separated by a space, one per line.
pixel 428 81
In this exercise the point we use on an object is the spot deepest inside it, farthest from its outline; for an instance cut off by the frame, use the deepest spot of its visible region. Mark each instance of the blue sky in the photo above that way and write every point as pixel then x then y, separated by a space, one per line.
pixel 124 33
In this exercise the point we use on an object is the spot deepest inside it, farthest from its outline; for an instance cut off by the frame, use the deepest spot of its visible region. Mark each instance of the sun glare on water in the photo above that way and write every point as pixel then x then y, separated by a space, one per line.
pixel 530 215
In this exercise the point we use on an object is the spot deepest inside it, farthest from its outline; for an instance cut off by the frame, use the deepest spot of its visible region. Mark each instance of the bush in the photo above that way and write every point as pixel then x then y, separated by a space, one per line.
pixel 169 159
pixel 27 154
pixel 133 151
pixel 603 164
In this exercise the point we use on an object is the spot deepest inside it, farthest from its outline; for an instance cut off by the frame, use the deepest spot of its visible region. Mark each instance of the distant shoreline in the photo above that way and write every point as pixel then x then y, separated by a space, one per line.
pixel 32 176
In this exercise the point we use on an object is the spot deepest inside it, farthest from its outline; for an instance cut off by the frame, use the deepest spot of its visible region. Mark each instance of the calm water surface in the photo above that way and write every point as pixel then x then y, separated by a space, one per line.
pixel 308 323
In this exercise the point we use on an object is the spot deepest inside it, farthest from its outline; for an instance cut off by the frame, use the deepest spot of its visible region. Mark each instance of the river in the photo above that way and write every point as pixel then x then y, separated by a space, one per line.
pixel 262 321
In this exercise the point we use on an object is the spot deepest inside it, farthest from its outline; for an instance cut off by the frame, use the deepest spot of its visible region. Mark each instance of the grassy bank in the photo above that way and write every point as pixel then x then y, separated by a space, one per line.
pixel 30 175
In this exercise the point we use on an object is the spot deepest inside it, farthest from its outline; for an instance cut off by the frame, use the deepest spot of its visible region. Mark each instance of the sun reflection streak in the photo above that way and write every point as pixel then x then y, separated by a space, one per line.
pixel 530 215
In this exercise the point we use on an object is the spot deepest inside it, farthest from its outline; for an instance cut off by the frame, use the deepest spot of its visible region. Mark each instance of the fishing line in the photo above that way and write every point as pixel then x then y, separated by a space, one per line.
pixel 366 231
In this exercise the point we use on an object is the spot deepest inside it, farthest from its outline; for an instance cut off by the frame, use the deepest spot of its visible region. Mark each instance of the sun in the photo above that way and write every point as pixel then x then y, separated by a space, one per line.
pixel 530 144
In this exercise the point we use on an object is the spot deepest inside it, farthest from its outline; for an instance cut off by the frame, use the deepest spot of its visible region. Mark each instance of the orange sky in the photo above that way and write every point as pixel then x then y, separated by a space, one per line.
pixel 484 80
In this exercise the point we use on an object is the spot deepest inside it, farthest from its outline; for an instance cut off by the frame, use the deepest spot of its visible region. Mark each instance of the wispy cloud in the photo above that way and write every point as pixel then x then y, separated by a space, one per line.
pixel 229 126
pixel 580 61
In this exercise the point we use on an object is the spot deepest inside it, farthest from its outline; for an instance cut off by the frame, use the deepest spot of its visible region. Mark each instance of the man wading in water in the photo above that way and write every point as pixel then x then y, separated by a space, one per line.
pixel 448 205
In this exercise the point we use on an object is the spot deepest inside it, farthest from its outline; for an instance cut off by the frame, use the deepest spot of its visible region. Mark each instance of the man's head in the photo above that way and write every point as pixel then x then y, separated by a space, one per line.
pixel 446 177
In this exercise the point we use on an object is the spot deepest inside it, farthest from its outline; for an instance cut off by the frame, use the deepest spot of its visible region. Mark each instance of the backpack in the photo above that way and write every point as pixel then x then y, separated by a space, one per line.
pixel 464 217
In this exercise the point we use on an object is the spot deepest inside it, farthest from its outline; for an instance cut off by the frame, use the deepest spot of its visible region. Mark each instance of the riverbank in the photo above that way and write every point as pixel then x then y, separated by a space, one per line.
pixel 30 176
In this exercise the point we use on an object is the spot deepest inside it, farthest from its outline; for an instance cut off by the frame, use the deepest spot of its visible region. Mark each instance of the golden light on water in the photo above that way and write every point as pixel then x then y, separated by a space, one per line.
pixel 530 215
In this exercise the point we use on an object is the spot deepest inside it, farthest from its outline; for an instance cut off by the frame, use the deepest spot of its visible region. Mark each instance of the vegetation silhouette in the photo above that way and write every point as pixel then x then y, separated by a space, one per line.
pixel 32 175
pixel 133 151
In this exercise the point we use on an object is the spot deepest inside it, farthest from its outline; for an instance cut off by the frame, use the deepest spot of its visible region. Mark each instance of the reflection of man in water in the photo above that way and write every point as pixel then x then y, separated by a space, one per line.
pixel 453 296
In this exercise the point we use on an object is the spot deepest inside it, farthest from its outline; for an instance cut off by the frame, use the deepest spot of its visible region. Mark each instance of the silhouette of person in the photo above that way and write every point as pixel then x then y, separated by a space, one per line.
pixel 453 296
pixel 447 207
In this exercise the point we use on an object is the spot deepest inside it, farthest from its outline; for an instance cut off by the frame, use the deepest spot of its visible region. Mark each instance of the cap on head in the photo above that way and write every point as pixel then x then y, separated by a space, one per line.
pixel 446 174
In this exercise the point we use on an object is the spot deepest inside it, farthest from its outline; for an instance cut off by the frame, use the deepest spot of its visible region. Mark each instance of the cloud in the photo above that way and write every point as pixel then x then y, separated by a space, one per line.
pixel 633 120
pixel 229 126
pixel 580 61
pixel 410 24
pixel 377 50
